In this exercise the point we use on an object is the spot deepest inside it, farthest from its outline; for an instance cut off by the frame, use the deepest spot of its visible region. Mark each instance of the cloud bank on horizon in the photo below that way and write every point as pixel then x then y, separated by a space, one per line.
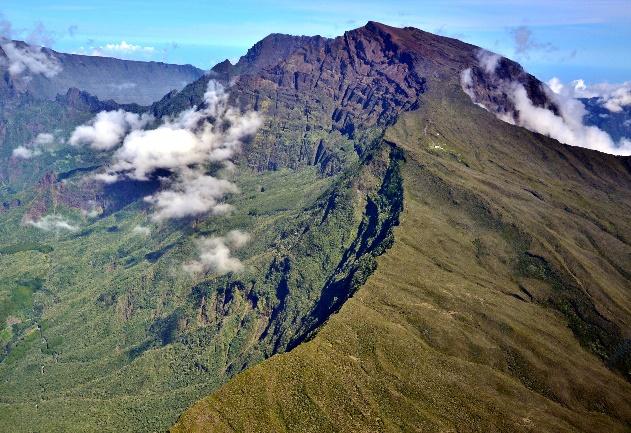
pixel 613 97
pixel 122 50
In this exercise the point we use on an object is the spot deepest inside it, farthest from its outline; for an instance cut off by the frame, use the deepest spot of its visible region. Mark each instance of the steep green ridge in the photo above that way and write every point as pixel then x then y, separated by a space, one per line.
pixel 503 304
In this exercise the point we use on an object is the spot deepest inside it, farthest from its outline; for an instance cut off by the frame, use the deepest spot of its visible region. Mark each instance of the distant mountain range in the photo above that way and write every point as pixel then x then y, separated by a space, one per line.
pixel 124 81
pixel 383 248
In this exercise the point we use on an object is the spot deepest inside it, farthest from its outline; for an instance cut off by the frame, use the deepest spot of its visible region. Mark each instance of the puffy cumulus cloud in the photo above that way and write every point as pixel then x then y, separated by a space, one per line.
pixel 44 139
pixel 192 193
pixel 619 98
pixel 54 223
pixel 23 152
pixel 215 254
pixel 41 142
pixel 28 59
pixel 108 128
pixel 107 177
pixel 614 97
pixel 567 126
pixel 184 144
pixel 165 147
pixel 556 85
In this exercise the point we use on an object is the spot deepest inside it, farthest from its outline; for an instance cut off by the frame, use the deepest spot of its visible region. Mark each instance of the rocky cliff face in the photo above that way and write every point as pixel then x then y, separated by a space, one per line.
pixel 319 94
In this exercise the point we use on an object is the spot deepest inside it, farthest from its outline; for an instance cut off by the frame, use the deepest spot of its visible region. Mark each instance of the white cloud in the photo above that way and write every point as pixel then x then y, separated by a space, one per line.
pixel 122 86
pixel 555 85
pixel 108 128
pixel 566 127
pixel 183 145
pixel 93 210
pixel 215 254
pixel 466 81
pixel 24 152
pixel 141 230
pixel 107 177
pixel 30 59
pixel 52 223
pixel 613 97
pixel 488 60
pixel 166 147
pixel 42 141
pixel 121 50
pixel 192 193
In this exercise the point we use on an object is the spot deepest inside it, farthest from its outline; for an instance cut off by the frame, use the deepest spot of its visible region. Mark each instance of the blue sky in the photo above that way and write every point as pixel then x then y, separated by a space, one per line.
pixel 567 39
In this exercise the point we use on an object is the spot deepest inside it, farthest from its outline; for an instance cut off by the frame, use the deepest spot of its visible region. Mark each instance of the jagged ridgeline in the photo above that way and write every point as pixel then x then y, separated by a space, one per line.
pixel 416 264
pixel 503 303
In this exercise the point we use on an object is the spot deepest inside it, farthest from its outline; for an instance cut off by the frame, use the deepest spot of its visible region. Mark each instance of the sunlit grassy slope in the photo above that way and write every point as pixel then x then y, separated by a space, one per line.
pixel 503 305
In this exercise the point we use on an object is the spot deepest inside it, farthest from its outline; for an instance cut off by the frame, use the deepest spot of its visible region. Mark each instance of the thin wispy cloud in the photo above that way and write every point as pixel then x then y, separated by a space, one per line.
pixel 525 43
pixel 52 223
pixel 72 30
pixel 141 230
pixel 24 60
